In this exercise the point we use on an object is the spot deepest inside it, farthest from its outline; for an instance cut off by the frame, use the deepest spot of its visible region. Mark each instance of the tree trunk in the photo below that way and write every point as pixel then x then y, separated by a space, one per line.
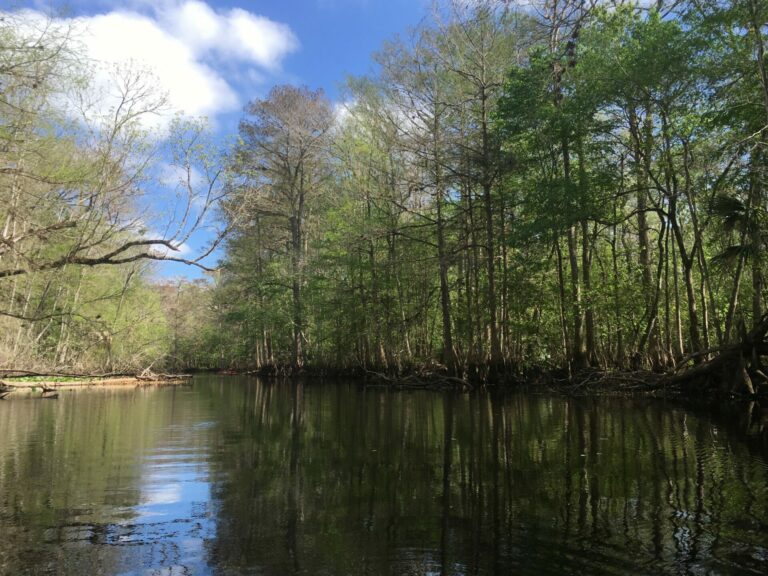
pixel 449 357
pixel 642 157
pixel 579 350
pixel 490 248
pixel 297 359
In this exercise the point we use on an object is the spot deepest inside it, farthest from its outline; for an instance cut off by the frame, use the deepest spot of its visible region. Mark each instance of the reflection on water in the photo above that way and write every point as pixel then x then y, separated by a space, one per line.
pixel 237 476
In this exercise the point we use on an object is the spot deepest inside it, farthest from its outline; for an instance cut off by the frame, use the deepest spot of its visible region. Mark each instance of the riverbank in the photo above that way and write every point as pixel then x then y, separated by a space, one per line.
pixel 586 382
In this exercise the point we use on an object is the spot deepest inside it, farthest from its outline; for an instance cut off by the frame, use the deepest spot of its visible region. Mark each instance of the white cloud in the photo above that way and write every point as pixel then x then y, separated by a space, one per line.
pixel 188 46
pixel 236 33
pixel 191 85
pixel 173 176
pixel 196 22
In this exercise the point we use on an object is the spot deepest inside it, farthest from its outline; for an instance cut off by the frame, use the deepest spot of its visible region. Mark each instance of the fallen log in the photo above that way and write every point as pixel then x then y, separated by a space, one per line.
pixel 58 382
pixel 10 373
pixel 732 364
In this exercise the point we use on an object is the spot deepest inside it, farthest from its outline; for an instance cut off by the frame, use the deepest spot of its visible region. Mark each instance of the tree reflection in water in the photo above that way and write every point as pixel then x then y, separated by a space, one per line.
pixel 237 476
pixel 370 481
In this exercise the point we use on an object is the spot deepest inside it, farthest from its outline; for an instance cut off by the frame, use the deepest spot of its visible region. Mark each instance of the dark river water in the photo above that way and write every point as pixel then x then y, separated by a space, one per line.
pixel 240 476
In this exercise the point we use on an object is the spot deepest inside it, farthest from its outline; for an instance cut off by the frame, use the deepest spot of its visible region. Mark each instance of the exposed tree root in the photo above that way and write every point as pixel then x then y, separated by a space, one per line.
pixel 425 380
pixel 735 369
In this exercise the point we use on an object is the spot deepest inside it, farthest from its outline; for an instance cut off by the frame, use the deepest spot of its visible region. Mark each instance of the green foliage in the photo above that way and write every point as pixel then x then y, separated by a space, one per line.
pixel 579 186
pixel 75 289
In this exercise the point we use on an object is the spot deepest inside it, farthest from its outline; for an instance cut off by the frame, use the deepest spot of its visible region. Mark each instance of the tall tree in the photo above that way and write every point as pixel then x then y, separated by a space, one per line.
pixel 283 160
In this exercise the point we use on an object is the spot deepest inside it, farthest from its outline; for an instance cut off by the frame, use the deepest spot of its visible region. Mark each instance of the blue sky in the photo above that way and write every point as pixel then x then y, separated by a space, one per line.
pixel 211 57
pixel 332 38
pixel 338 36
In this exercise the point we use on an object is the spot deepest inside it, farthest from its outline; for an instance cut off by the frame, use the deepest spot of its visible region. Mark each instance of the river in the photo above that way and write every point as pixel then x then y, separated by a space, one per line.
pixel 242 476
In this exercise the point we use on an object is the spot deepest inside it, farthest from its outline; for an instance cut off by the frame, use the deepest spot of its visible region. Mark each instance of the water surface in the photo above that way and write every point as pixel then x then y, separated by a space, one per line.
pixel 240 476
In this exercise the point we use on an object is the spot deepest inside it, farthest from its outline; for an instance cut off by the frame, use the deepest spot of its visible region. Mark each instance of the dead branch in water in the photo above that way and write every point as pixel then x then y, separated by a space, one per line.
pixel 147 375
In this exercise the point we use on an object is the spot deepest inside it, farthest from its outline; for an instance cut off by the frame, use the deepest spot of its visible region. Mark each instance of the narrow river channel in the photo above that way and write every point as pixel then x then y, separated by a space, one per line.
pixel 241 476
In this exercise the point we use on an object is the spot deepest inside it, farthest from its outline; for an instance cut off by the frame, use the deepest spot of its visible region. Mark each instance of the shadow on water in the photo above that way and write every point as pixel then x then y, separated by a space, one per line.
pixel 237 476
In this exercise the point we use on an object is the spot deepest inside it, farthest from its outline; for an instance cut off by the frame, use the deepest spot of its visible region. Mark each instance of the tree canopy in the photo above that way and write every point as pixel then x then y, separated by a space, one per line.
pixel 563 185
